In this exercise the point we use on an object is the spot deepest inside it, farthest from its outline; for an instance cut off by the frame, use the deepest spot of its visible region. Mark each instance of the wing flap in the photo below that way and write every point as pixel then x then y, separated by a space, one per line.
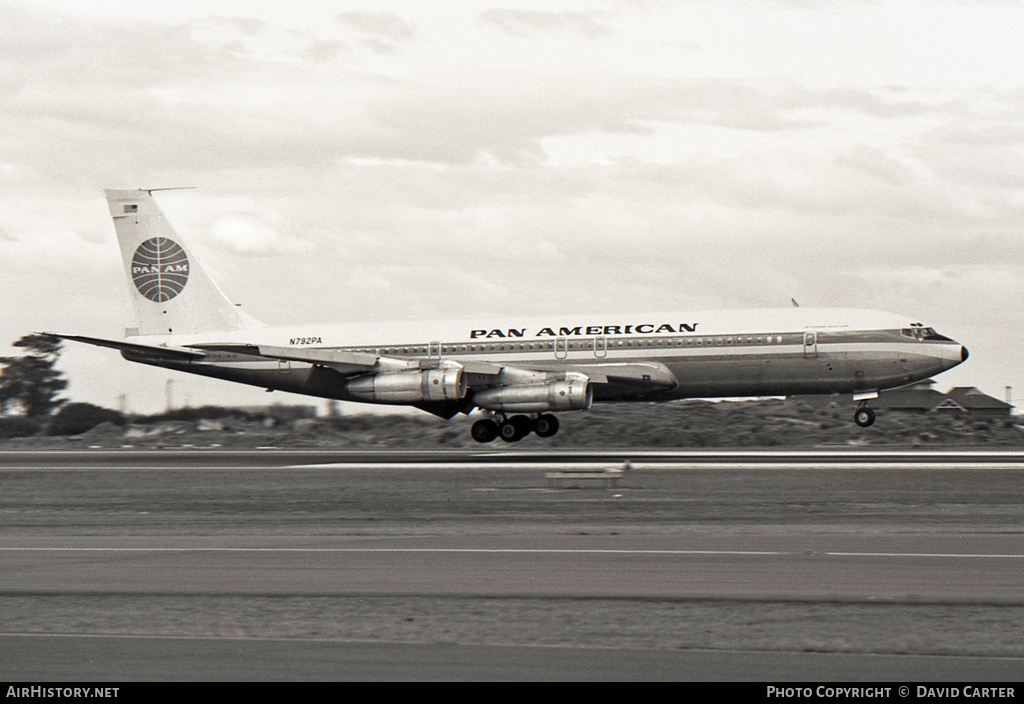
pixel 347 362
pixel 643 375
pixel 341 361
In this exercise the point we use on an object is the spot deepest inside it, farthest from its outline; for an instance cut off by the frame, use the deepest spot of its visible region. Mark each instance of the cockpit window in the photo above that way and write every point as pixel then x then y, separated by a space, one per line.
pixel 922 333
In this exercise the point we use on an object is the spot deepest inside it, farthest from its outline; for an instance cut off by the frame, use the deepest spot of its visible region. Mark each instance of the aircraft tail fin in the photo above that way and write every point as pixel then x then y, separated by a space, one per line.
pixel 170 290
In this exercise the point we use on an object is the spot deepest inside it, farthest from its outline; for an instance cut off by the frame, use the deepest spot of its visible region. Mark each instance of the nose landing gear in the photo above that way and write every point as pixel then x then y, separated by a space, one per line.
pixel 864 416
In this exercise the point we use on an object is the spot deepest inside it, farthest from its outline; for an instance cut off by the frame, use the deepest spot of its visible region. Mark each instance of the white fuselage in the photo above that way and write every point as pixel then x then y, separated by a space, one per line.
pixel 651 356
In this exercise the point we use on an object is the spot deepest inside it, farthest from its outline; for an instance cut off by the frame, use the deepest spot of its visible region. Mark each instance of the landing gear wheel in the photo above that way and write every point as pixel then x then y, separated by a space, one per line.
pixel 864 417
pixel 545 425
pixel 515 428
pixel 484 430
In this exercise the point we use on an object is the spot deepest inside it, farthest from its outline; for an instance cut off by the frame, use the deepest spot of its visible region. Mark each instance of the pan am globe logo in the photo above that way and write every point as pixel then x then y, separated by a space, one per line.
pixel 160 269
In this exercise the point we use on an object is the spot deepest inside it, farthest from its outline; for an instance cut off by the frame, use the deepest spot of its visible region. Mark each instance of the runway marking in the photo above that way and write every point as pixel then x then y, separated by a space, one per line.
pixel 508 452
pixel 525 551
pixel 920 554
pixel 823 463
pixel 552 551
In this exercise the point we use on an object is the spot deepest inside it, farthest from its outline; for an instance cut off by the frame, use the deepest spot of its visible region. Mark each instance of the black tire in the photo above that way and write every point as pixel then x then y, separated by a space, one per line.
pixel 864 417
pixel 484 430
pixel 545 425
pixel 515 428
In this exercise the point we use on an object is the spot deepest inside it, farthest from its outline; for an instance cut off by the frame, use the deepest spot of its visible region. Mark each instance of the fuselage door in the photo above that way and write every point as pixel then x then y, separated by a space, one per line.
pixel 810 345
pixel 434 350
pixel 600 346
pixel 561 348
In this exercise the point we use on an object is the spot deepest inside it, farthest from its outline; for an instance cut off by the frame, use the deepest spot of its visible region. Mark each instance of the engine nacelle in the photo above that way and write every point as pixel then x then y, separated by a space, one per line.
pixel 569 395
pixel 443 384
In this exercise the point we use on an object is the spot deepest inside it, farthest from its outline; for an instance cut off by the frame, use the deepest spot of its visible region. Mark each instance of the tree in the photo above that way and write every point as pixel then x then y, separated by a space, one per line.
pixel 77 418
pixel 29 384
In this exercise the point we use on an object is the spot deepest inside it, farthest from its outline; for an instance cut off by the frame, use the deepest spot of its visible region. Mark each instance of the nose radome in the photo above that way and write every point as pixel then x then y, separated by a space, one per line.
pixel 964 354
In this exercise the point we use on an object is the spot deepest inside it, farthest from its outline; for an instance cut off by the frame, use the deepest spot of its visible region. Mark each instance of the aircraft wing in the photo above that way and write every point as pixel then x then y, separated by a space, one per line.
pixel 643 377
pixel 636 379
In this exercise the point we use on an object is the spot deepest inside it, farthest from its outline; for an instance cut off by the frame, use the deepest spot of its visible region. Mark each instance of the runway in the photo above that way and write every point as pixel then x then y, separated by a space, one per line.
pixel 837 567
pixel 711 566
pixel 116 659
pixel 506 456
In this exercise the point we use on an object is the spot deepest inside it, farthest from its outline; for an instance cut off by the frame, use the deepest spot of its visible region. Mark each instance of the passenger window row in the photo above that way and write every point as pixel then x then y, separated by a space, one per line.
pixel 579 345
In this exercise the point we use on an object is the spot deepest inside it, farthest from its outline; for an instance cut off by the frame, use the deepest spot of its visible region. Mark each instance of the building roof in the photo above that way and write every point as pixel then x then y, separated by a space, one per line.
pixel 922 397
pixel 912 399
pixel 973 399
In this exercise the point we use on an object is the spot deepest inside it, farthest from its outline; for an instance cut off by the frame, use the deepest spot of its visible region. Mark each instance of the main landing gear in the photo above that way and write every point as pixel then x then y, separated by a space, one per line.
pixel 864 416
pixel 515 428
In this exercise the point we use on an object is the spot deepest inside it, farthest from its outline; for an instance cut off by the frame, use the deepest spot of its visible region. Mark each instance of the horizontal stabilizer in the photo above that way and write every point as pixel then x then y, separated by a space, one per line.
pixel 162 351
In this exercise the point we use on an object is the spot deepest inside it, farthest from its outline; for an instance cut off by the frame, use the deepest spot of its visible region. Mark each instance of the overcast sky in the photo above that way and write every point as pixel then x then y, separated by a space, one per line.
pixel 393 160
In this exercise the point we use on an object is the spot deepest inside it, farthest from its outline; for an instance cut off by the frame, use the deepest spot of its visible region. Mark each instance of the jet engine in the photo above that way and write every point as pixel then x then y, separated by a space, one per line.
pixel 443 384
pixel 568 395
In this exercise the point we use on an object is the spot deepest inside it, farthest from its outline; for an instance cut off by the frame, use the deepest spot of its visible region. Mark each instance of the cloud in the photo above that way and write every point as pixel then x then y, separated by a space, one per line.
pixel 190 97
pixel 379 32
pixel 522 23
pixel 384 25
pixel 249 235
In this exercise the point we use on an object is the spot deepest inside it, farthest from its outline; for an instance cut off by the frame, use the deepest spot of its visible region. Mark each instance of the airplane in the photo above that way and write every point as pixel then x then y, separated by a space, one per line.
pixel 518 372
